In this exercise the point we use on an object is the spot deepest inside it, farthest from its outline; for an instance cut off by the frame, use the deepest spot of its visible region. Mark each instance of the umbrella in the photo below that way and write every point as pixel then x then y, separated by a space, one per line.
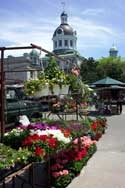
pixel 116 87
pixel 107 82
pixel 111 87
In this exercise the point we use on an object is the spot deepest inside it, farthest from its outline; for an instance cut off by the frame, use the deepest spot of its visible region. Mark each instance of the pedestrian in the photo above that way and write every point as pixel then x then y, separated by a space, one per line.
pixel 119 104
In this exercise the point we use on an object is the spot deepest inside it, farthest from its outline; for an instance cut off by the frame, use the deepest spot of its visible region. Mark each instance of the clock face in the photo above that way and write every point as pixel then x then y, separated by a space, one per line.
pixel 59 31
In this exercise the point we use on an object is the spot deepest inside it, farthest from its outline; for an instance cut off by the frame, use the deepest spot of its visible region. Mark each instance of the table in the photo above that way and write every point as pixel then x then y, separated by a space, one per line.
pixel 66 115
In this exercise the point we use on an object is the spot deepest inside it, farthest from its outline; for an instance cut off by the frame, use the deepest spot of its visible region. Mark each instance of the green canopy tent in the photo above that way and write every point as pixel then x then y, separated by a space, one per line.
pixel 107 82
pixel 109 88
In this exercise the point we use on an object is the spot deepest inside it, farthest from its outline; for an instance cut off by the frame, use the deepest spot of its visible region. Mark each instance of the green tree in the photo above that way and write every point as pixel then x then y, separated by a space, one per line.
pixel 88 70
pixel 112 67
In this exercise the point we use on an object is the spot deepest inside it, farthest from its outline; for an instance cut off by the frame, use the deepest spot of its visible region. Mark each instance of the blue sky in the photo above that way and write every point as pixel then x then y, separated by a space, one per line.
pixel 98 23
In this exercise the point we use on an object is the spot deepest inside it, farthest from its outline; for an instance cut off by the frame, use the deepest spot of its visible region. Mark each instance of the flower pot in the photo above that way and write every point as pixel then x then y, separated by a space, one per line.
pixel 64 90
pixel 41 174
pixel 43 92
pixel 55 90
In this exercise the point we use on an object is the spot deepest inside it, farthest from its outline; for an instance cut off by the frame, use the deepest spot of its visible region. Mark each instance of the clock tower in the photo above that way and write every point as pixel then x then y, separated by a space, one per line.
pixel 64 37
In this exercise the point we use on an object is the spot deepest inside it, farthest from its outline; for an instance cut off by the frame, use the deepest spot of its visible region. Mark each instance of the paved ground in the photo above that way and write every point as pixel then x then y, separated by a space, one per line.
pixel 106 168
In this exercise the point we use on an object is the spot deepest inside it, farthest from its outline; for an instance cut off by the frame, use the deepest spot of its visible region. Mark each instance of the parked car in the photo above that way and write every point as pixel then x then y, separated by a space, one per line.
pixel 17 104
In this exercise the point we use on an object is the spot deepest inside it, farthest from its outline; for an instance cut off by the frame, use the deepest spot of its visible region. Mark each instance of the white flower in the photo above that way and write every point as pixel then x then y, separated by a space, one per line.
pixel 56 134
pixel 15 132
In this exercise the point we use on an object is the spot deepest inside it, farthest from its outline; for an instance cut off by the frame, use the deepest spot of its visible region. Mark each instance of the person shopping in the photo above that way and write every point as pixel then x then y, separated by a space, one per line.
pixel 119 104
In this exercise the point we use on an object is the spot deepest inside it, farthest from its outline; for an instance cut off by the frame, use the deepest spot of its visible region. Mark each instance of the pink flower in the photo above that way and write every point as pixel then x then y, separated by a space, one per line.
pixel 75 141
pixel 65 172
pixel 60 173
pixel 75 72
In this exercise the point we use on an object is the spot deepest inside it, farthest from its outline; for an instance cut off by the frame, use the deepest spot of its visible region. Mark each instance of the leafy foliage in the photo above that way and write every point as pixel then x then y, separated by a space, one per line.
pixel 10 157
pixel 112 67
pixel 88 70
pixel 92 70
pixel 51 76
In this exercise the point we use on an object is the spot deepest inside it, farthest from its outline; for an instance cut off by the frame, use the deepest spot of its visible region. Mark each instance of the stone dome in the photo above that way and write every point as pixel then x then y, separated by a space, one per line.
pixel 66 29
pixel 64 37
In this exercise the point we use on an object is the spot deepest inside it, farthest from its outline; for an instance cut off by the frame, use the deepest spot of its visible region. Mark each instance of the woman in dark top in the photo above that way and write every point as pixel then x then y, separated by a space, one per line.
pixel 119 104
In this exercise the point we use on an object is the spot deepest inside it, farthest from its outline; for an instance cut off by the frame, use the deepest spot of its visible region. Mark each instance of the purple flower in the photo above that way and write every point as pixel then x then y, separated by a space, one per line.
pixel 41 126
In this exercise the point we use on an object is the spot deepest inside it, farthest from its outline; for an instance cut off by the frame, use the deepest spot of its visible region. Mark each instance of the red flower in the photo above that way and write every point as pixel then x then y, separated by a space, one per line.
pixel 43 137
pixel 52 142
pixel 66 132
pixel 80 155
pixel 27 142
pixel 34 137
pixel 30 139
pixel 38 151
pixel 94 126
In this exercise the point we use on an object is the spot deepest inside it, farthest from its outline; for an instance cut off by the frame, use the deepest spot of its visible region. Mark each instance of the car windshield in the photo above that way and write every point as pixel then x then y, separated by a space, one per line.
pixel 20 93
pixel 14 93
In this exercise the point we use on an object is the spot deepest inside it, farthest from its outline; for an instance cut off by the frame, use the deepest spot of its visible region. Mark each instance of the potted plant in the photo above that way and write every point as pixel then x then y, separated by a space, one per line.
pixel 36 87
pixel 49 82
pixel 11 160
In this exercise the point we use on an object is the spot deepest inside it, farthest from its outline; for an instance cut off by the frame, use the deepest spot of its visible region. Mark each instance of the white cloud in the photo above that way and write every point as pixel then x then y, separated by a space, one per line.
pixel 93 34
pixel 93 12
pixel 25 30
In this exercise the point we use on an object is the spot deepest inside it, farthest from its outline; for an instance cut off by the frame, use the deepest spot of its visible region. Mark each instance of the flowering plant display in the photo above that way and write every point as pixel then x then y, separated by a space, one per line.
pixel 67 146
pixel 98 127
pixel 51 76
pixel 72 128
pixel 43 141
pixel 44 144
pixel 66 164
pixel 70 105
pixel 83 106
pixel 11 159
pixel 15 137
pixel 57 107
pixel 77 129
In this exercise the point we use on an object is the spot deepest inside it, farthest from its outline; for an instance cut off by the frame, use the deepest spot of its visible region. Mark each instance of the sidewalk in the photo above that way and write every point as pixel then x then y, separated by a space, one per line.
pixel 106 168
